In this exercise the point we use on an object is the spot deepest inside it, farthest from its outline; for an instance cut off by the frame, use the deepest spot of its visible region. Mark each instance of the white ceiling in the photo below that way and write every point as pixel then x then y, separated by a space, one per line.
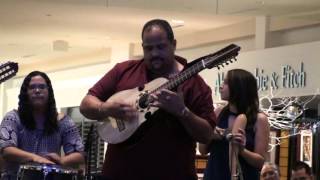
pixel 29 28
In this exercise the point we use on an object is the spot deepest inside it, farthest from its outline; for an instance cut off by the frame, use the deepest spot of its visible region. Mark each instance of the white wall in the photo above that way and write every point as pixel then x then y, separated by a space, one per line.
pixel 72 84
pixel 275 39
pixel 290 47
pixel 295 36
pixel 272 60
pixel 247 44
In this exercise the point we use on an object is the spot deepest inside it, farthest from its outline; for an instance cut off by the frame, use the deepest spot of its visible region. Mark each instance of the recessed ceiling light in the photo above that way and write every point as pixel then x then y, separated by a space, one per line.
pixel 177 23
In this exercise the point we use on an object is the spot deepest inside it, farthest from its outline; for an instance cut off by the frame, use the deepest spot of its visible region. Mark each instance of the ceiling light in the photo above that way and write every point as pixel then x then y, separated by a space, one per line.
pixel 177 23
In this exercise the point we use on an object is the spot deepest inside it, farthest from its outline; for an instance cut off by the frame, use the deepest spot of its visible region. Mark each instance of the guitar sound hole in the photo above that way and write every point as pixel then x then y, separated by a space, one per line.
pixel 147 115
pixel 143 101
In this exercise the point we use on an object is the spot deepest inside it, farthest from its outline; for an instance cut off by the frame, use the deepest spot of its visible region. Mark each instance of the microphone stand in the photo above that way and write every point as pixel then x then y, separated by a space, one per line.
pixel 236 171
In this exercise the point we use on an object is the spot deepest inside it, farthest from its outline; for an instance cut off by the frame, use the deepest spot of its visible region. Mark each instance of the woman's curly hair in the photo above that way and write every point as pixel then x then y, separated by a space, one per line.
pixel 25 108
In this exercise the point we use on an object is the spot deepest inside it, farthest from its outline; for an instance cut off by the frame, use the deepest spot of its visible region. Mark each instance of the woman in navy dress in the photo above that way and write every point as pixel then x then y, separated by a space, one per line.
pixel 239 145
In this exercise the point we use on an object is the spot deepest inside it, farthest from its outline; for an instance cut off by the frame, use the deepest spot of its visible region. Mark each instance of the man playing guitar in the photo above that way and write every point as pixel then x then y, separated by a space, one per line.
pixel 163 147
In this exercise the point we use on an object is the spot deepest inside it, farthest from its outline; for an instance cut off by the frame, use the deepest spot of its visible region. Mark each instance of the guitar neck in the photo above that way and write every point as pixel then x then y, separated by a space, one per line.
pixel 212 60
pixel 183 76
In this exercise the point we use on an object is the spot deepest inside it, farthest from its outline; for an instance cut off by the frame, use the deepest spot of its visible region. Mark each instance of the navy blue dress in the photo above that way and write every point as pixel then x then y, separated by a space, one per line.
pixel 218 162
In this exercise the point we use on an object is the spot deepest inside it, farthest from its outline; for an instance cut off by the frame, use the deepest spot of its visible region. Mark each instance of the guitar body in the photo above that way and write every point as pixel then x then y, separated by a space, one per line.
pixel 115 131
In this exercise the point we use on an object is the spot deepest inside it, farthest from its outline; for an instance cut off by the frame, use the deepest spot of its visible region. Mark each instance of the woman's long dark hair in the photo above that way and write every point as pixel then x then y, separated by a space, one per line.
pixel 25 108
pixel 243 94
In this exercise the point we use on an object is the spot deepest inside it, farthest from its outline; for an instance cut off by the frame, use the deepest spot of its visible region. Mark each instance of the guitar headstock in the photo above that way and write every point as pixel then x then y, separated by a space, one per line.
pixel 222 57
pixel 8 70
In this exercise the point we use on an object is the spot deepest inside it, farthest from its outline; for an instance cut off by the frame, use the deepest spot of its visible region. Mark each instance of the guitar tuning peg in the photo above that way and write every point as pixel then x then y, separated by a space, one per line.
pixel 218 67
pixel 222 65
pixel 235 59
pixel 227 63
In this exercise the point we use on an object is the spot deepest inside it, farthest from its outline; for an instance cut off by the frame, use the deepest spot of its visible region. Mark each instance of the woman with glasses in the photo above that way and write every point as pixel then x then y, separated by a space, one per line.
pixel 35 132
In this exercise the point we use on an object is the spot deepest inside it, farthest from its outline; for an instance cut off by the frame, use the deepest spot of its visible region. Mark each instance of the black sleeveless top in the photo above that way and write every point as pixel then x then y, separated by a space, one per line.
pixel 218 162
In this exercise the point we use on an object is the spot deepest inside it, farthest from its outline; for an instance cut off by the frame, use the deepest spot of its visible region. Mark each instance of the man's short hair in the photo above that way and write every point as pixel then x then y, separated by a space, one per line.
pixel 274 166
pixel 160 23
pixel 302 165
pixel 270 170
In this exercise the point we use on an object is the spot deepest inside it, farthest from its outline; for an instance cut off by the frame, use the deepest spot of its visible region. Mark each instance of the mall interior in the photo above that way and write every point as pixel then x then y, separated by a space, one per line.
pixel 77 41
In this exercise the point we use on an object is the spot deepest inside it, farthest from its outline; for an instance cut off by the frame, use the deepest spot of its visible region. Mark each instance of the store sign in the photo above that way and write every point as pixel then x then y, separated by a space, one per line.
pixel 287 78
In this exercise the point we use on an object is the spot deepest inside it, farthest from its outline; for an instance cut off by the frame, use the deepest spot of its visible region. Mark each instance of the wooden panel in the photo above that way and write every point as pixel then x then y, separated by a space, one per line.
pixel 283 162
pixel 284 141
pixel 201 163
pixel 283 171
pixel 283 156
pixel 284 152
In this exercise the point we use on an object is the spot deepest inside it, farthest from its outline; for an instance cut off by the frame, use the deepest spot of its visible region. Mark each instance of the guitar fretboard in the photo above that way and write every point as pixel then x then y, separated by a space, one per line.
pixel 183 76
pixel 208 61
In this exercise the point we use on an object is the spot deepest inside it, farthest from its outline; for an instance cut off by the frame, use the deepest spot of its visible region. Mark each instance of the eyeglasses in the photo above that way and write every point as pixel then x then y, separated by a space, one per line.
pixel 38 86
